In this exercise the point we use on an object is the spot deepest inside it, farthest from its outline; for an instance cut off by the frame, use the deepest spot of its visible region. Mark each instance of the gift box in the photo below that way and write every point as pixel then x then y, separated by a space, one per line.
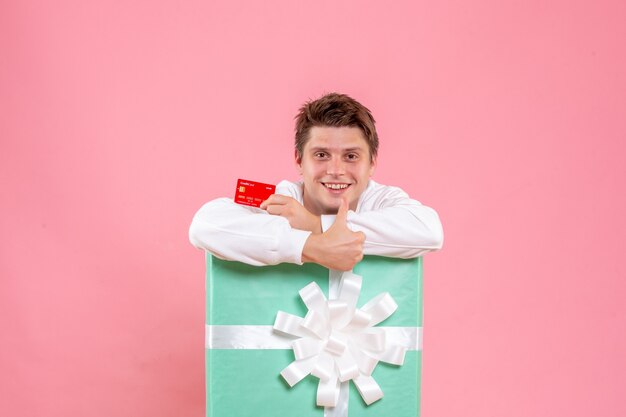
pixel 246 349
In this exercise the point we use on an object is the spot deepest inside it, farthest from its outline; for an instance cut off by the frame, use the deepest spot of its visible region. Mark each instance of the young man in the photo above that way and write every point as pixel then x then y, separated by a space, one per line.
pixel 336 214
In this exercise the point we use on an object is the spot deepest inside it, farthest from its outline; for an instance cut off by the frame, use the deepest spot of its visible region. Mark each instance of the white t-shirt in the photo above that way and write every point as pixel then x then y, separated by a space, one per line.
pixel 394 225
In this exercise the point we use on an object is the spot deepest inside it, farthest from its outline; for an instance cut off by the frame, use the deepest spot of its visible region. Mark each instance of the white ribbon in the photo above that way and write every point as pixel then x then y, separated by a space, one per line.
pixel 264 337
pixel 337 342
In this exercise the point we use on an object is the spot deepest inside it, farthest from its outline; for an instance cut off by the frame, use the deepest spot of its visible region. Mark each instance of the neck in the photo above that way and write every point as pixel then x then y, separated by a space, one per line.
pixel 310 206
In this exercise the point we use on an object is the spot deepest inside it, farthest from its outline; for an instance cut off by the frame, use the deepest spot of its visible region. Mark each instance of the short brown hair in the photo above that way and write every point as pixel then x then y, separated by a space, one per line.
pixel 335 110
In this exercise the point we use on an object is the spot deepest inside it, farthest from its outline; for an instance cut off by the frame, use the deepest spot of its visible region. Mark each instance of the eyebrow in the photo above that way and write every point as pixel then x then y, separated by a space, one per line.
pixel 319 148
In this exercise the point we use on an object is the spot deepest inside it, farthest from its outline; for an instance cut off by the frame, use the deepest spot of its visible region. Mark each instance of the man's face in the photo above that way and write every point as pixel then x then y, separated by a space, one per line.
pixel 335 164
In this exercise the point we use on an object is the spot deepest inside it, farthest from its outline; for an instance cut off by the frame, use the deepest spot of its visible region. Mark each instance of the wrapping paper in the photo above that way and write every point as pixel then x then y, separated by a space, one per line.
pixel 246 382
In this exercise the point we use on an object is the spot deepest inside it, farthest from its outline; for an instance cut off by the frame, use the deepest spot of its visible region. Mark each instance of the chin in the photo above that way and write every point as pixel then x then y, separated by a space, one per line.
pixel 332 208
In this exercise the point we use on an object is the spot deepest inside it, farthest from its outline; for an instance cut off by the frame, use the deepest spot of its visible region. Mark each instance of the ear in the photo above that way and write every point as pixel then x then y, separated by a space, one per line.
pixel 298 161
pixel 373 166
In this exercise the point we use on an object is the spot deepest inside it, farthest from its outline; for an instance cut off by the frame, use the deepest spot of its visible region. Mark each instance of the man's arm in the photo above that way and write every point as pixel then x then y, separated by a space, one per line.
pixel 394 224
pixel 246 234
pixel 250 235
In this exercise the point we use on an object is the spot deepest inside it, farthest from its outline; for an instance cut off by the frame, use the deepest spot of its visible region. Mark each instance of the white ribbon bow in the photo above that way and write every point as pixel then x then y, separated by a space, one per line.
pixel 338 342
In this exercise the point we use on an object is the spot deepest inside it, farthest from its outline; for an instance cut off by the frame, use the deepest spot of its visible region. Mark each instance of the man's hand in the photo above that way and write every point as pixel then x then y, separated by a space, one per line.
pixel 339 247
pixel 297 215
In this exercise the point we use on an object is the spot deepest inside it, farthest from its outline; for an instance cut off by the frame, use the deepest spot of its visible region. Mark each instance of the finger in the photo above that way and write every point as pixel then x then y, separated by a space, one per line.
pixel 270 200
pixel 342 213
pixel 275 209
pixel 265 203
pixel 274 199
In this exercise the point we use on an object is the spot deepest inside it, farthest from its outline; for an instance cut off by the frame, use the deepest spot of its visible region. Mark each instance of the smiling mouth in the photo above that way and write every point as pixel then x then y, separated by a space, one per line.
pixel 335 186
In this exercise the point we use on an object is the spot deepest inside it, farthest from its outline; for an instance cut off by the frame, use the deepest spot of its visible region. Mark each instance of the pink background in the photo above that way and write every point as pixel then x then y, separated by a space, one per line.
pixel 118 120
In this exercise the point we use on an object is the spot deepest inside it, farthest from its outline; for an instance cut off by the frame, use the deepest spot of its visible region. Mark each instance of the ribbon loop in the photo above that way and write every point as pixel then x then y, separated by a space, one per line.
pixel 324 368
pixel 360 320
pixel 336 345
pixel 365 362
pixel 368 388
pixel 328 392
pixel 380 307
pixel 350 288
pixel 316 323
pixel 306 347
pixel 347 366
pixel 297 370
pixel 338 313
pixel 313 297
pixel 288 323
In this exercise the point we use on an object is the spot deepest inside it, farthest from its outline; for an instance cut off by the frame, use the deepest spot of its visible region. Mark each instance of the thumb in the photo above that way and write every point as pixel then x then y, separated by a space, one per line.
pixel 342 213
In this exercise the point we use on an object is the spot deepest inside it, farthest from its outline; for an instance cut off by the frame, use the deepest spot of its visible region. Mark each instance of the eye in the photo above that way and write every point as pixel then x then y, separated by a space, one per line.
pixel 320 155
pixel 352 156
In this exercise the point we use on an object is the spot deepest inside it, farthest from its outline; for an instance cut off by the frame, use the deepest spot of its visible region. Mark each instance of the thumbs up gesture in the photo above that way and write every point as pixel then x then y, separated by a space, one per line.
pixel 339 247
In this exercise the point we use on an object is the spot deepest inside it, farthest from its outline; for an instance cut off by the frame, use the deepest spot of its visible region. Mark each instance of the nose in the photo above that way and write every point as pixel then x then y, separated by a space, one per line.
pixel 335 167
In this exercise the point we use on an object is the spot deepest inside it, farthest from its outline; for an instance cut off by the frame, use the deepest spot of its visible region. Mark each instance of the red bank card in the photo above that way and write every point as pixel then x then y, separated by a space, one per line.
pixel 251 193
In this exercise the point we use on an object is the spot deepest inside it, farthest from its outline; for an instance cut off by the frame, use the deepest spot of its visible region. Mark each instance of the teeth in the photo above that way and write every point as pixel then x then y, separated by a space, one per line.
pixel 336 186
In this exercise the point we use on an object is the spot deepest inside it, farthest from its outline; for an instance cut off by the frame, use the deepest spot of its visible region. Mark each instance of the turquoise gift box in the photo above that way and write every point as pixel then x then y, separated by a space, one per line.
pixel 243 381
